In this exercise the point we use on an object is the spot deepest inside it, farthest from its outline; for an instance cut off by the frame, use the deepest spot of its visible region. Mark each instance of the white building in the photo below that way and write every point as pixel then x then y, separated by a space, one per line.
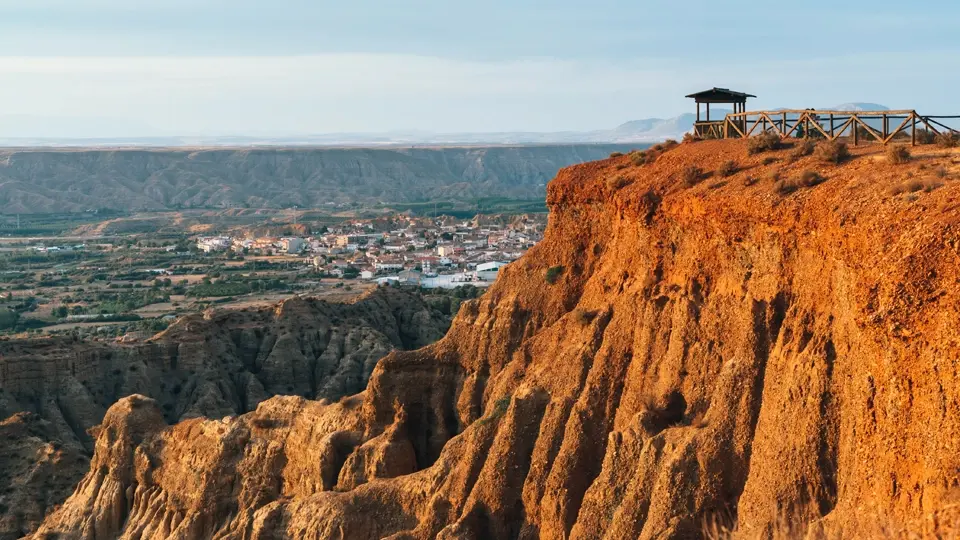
pixel 292 245
pixel 490 266
pixel 213 243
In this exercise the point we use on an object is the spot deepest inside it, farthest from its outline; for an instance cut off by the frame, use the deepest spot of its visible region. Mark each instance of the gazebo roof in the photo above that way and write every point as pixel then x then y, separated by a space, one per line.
pixel 720 95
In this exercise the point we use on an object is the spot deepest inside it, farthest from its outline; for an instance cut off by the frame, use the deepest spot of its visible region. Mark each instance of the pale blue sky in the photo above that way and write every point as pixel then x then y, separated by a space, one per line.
pixel 142 67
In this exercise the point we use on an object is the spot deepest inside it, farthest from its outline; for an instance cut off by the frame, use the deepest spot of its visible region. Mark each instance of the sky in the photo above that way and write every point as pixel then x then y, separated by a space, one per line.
pixel 98 68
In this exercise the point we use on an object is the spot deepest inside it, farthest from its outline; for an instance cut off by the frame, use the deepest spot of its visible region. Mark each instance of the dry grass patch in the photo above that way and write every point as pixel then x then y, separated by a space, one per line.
pixel 692 175
pixel 803 149
pixel 618 182
pixel 765 142
pixel 948 140
pixel 728 168
pixel 832 152
pixel 616 154
pixel 925 136
pixel 805 180
pixel 915 186
pixel 898 154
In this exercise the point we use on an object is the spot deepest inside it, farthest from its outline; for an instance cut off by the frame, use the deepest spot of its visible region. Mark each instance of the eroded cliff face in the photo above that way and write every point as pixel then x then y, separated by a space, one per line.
pixel 705 354
pixel 219 364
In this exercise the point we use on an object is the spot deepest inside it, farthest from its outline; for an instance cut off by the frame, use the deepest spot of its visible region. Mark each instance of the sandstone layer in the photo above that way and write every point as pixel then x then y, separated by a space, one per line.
pixel 218 364
pixel 674 355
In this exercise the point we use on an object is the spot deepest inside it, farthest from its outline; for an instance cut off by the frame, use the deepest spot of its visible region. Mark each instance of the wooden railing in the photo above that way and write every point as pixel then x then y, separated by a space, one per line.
pixel 830 124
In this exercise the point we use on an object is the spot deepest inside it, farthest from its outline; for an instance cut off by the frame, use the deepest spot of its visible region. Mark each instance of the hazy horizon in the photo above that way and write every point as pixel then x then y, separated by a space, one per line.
pixel 105 68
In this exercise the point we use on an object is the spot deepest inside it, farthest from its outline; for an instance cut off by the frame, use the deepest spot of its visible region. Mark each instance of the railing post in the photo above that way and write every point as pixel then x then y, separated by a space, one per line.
pixel 853 125
pixel 913 130
pixel 832 136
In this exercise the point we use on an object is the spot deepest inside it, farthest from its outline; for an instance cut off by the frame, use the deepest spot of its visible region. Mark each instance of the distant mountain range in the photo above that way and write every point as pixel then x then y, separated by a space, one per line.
pixel 635 131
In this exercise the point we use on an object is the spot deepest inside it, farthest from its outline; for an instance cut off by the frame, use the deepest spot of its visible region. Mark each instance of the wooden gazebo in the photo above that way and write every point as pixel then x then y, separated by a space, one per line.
pixel 707 128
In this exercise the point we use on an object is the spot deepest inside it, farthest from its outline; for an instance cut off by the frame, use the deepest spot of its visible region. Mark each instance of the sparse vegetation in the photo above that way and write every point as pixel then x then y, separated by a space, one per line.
pixel 765 142
pixel 616 154
pixel 832 152
pixel 728 168
pixel 806 179
pixel 915 185
pixel 898 154
pixel 617 182
pixel 925 136
pixel 749 181
pixel 692 175
pixel 769 160
pixel 553 274
pixel 948 140
pixel 689 137
pixel 583 316
pixel 803 149
pixel 642 157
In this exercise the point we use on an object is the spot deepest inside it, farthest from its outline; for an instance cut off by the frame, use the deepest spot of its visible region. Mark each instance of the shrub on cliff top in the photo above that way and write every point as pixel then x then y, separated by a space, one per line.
pixel 692 175
pixel 617 182
pixel 832 151
pixel 803 148
pixel 553 274
pixel 728 168
pixel 616 154
pixel 643 157
pixel 898 154
pixel 948 140
pixel 764 142
pixel 925 136
pixel 806 179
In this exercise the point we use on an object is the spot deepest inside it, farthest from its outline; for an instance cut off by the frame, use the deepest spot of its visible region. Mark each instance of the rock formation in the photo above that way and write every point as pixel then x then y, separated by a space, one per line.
pixel 676 354
pixel 219 364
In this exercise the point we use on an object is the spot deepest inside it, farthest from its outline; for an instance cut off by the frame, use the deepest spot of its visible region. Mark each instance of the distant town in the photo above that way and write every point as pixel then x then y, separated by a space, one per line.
pixel 424 252
pixel 133 284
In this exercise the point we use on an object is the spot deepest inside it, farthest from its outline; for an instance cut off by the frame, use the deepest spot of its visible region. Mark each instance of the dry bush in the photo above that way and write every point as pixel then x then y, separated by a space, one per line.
pixel 643 157
pixel 803 148
pixel 616 154
pixel 915 185
pixel 941 172
pixel 764 142
pixel 617 182
pixel 832 151
pixel 948 140
pixel 621 166
pixel 728 168
pixel 583 316
pixel 770 160
pixel 689 137
pixel 553 274
pixel 807 179
pixel 749 181
pixel 925 136
pixel 692 175
pixel 898 154
pixel 669 143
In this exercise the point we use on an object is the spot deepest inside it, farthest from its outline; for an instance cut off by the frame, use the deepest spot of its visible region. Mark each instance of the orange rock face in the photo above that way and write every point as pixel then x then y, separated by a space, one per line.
pixel 674 355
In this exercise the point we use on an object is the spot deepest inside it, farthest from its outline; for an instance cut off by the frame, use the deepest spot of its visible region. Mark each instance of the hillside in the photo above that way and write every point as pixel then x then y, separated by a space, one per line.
pixel 674 353
pixel 47 180
pixel 53 390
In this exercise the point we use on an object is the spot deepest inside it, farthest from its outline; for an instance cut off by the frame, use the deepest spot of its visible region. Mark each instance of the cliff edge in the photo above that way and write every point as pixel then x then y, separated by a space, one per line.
pixel 681 353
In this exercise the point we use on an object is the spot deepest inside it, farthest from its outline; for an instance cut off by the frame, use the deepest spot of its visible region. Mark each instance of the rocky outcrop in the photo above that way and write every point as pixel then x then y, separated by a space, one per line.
pixel 218 364
pixel 703 354
pixel 51 180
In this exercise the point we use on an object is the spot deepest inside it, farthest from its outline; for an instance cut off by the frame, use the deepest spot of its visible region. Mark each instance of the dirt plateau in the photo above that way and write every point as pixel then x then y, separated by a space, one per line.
pixel 716 354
